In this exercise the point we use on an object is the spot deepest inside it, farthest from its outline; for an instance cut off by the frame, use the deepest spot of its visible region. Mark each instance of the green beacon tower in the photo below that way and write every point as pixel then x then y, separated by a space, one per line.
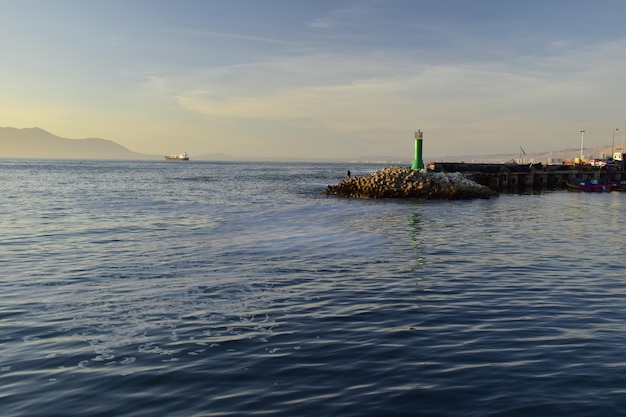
pixel 418 163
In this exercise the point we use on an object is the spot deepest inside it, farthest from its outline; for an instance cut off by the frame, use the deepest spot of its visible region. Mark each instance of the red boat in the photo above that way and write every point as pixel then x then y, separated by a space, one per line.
pixel 591 186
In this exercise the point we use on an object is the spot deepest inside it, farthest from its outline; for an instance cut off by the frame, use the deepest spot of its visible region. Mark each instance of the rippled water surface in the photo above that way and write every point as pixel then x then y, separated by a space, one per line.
pixel 230 289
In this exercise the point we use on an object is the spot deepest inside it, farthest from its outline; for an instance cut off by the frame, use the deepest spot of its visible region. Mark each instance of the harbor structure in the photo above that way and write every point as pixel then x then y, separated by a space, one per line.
pixel 516 178
pixel 418 162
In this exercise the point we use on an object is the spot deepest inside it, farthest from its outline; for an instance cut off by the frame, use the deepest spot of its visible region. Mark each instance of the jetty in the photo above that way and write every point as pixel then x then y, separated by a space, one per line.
pixel 518 178
pixel 453 181
pixel 459 180
pixel 405 182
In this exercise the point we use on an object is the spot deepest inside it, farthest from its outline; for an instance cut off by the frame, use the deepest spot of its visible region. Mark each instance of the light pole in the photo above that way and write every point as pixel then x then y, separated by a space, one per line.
pixel 620 159
pixel 582 141
pixel 613 145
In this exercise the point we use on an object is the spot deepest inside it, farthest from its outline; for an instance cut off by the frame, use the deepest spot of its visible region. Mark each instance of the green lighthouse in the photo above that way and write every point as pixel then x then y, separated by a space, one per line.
pixel 418 163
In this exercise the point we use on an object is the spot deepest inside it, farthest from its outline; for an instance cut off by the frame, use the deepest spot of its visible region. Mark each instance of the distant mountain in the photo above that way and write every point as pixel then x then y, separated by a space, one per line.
pixel 38 143
pixel 598 152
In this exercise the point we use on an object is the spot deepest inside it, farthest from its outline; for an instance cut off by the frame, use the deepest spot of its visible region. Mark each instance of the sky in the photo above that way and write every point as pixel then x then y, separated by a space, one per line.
pixel 317 79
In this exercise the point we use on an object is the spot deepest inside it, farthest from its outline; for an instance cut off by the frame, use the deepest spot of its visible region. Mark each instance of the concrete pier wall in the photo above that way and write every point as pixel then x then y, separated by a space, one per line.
pixel 520 178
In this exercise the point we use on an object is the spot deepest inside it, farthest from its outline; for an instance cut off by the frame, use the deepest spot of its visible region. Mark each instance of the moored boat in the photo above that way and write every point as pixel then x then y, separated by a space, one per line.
pixel 619 186
pixel 590 186
pixel 182 157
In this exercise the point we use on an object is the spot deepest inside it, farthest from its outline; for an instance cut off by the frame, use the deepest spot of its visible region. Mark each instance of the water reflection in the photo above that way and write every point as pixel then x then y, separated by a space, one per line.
pixel 415 224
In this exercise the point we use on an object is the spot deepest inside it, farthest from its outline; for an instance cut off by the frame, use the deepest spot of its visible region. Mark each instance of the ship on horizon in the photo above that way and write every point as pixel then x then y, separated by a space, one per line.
pixel 182 157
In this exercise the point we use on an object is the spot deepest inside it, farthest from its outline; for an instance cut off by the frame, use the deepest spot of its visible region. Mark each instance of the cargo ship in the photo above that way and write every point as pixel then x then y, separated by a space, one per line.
pixel 182 157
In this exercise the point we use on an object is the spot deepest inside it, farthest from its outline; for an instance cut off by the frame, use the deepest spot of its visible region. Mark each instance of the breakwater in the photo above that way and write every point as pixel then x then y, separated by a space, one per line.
pixel 404 182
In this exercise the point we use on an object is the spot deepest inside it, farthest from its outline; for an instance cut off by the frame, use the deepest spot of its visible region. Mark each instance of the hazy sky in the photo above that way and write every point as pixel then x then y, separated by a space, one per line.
pixel 317 78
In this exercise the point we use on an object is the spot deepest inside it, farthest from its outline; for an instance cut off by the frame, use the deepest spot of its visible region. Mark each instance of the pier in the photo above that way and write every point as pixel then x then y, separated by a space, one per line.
pixel 516 178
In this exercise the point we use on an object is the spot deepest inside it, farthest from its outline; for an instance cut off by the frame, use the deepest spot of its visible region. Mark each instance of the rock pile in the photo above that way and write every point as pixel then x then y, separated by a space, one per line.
pixel 404 182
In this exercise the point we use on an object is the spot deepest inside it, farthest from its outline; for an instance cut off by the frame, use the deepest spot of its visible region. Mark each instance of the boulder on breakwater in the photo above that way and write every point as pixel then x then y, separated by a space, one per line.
pixel 404 182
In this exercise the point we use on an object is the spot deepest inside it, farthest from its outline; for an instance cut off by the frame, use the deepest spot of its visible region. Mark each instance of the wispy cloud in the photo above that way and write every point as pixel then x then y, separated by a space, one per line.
pixel 471 73
pixel 391 93
pixel 233 35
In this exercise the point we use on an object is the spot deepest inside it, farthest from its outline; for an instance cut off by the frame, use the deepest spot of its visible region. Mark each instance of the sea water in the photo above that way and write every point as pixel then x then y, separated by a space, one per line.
pixel 232 289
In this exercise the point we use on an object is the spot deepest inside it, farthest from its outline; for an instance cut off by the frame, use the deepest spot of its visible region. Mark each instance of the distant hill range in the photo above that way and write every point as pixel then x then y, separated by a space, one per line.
pixel 543 157
pixel 38 143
